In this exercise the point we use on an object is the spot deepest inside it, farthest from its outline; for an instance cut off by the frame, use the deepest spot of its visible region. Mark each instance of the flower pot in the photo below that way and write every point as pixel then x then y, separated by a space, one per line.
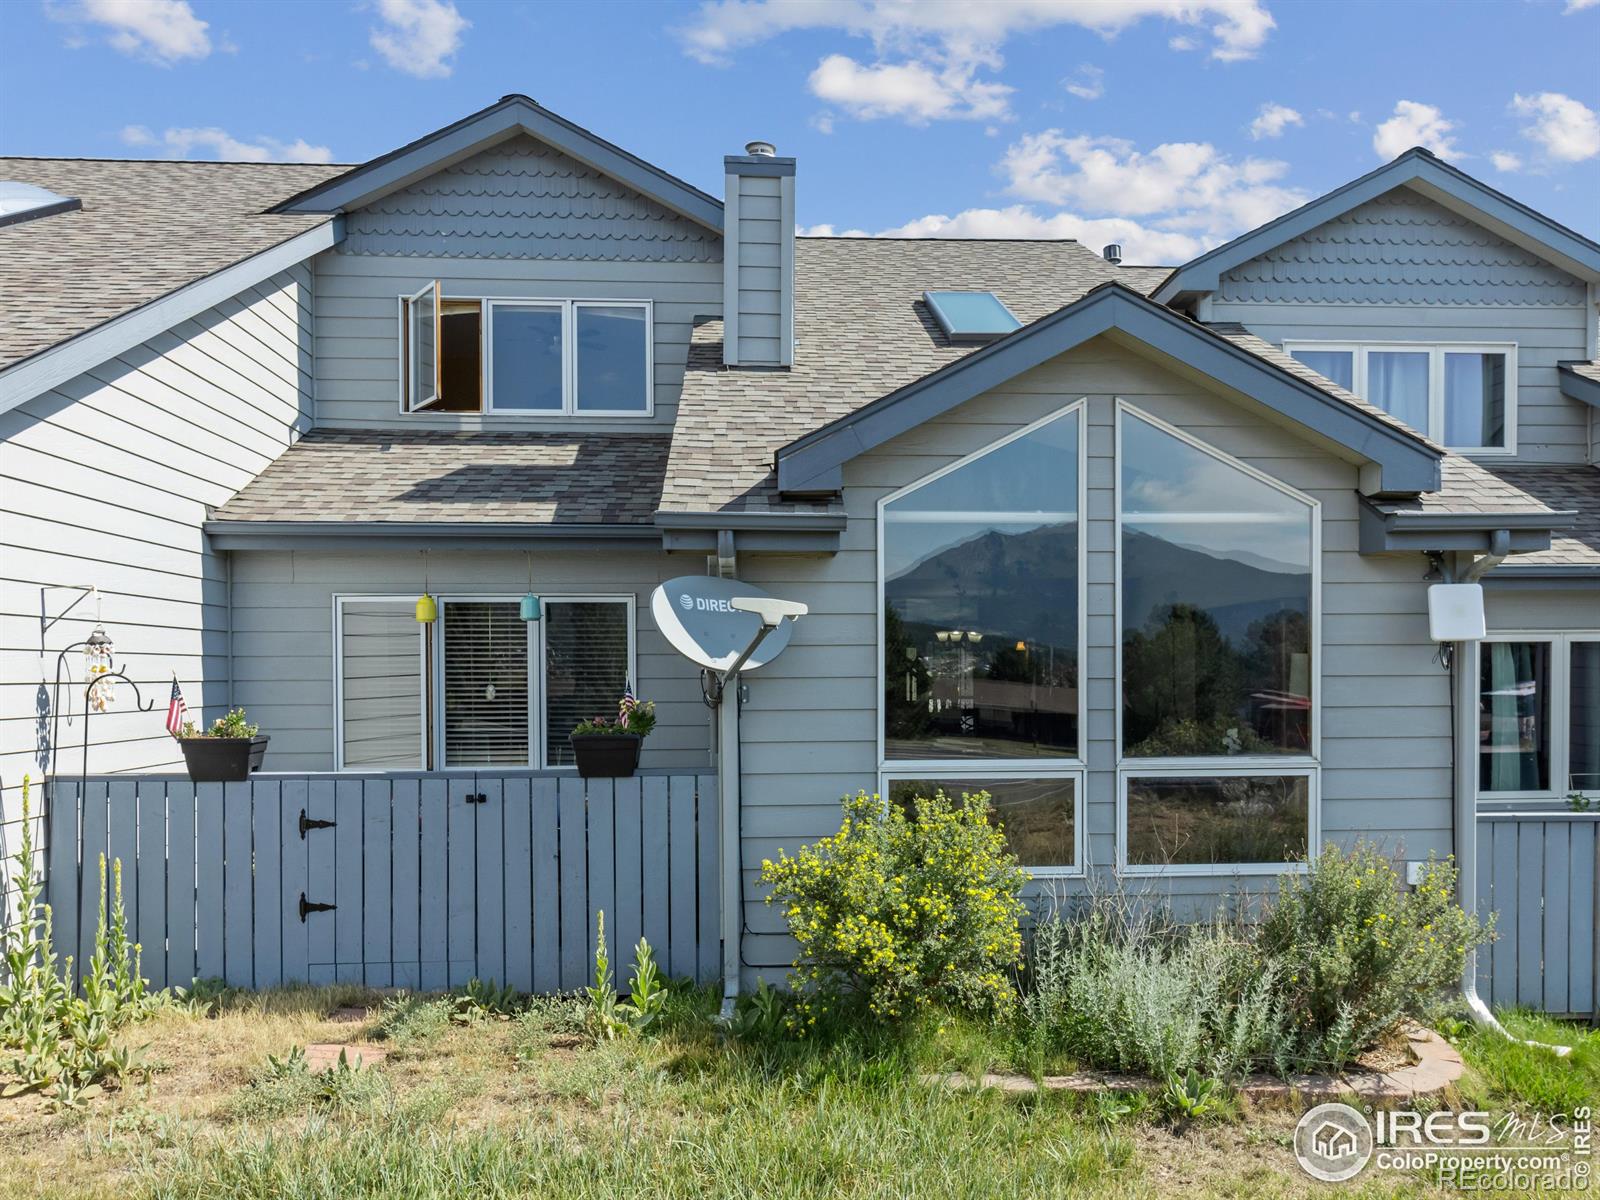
pixel 222 760
pixel 606 755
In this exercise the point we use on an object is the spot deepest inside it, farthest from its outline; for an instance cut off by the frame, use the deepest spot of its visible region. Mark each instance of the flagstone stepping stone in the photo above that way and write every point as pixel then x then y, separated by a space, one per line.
pixel 324 1056
pixel 348 1015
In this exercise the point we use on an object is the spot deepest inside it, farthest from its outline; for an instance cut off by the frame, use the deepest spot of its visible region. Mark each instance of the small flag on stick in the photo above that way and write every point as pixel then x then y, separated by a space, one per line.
pixel 177 710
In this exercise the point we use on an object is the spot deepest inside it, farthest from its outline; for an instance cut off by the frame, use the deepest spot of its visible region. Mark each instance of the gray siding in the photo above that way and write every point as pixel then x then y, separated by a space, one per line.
pixel 758 273
pixel 1386 704
pixel 1402 268
pixel 1558 610
pixel 523 199
pixel 283 635
pixel 105 481
pixel 517 221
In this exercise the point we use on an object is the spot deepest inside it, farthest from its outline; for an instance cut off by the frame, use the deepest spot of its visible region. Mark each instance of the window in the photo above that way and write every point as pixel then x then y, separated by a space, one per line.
pixel 1218 586
pixel 478 688
pixel 1462 396
pixel 1229 819
pixel 1038 814
pixel 1218 570
pixel 528 357
pixel 380 678
pixel 1539 716
pixel 971 316
pixel 981 604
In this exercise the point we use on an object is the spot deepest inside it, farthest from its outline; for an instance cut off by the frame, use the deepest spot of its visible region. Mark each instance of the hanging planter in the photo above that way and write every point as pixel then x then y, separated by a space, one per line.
pixel 606 748
pixel 227 753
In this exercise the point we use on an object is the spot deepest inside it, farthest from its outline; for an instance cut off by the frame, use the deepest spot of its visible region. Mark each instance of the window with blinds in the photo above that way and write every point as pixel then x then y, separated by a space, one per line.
pixel 485 685
pixel 586 668
pixel 380 669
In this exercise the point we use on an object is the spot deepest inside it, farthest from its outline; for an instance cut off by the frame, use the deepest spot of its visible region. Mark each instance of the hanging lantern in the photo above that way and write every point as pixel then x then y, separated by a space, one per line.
pixel 427 609
pixel 529 609
pixel 96 663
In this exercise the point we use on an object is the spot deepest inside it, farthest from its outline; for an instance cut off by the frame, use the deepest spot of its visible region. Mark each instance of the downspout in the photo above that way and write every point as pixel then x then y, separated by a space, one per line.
pixel 726 565
pixel 1464 664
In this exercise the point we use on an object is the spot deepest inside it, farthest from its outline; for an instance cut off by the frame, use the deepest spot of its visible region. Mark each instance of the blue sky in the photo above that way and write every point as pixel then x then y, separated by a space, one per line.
pixel 1168 125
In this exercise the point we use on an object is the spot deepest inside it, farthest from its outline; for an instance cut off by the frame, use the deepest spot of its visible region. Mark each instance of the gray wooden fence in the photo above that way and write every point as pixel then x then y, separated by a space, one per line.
pixel 420 881
pixel 1538 872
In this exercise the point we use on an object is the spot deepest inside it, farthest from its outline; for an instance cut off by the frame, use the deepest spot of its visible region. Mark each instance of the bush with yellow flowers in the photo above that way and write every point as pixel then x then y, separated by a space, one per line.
pixel 1357 950
pixel 903 910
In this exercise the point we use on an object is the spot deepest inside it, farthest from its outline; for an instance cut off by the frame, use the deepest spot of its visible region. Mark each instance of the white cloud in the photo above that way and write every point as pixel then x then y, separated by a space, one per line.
pixel 1415 124
pixel 1273 119
pixel 1087 83
pixel 1505 161
pixel 928 54
pixel 1567 130
pixel 419 37
pixel 158 31
pixel 1577 6
pixel 212 142
pixel 1182 44
pixel 1193 186
pixel 913 91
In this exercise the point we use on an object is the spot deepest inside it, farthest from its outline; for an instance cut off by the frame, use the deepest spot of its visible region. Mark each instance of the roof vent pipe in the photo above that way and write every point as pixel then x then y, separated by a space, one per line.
pixel 760 149
pixel 1112 253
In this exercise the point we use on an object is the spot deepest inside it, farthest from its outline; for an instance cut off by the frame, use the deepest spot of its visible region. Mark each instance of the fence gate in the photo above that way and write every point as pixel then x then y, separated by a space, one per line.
pixel 1538 872
pixel 418 881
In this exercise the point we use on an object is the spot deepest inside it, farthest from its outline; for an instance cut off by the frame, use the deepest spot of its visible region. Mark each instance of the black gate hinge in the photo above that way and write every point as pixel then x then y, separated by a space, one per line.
pixel 307 907
pixel 312 823
pixel 477 798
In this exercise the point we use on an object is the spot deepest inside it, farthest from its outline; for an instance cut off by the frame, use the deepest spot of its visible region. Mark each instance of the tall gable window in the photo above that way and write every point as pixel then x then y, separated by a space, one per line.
pixel 1461 396
pixel 982 627
pixel 1218 569
pixel 527 357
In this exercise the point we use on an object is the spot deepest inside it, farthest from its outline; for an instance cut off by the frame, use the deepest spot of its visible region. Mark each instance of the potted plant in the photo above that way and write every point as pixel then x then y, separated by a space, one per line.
pixel 607 747
pixel 225 753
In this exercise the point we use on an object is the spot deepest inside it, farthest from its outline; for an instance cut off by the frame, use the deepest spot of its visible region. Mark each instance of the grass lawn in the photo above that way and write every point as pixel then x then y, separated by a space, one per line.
pixel 524 1106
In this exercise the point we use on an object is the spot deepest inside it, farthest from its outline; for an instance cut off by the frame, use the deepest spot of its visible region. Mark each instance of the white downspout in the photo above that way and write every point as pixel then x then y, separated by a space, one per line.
pixel 728 832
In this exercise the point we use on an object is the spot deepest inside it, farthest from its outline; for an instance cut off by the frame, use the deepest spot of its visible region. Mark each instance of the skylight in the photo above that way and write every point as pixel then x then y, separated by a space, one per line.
pixel 971 316
pixel 25 201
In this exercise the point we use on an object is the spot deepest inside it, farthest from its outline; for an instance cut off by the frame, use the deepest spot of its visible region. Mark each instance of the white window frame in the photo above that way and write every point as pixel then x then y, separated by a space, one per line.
pixel 339 602
pixel 1041 766
pixel 1436 352
pixel 410 383
pixel 1219 769
pixel 1309 765
pixel 1560 643
pixel 975 771
pixel 569 355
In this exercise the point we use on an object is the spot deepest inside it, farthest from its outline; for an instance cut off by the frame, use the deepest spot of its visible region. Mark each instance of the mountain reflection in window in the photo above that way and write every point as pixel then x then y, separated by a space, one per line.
pixel 980 570
pixel 1216 604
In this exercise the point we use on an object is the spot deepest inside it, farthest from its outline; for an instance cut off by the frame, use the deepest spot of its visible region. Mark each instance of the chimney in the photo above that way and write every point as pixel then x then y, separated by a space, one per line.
pixel 758 258
pixel 1112 253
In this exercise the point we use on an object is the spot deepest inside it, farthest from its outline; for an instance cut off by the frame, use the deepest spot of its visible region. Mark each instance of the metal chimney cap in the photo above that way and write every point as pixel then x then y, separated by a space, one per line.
pixel 1112 253
pixel 760 149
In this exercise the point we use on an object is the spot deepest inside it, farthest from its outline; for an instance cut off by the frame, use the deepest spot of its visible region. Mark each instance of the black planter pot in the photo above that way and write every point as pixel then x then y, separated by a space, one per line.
pixel 606 755
pixel 223 760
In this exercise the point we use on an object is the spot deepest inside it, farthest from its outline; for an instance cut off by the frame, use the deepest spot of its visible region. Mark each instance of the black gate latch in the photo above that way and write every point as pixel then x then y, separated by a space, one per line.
pixel 307 907
pixel 312 823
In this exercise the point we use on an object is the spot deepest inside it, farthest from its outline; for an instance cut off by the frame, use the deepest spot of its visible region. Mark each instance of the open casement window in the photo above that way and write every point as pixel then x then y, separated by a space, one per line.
pixel 1539 716
pixel 422 348
pixel 982 603
pixel 380 684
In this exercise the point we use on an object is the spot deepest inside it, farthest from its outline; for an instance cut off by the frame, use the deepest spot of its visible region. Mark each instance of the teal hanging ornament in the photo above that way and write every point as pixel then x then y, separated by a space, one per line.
pixel 529 609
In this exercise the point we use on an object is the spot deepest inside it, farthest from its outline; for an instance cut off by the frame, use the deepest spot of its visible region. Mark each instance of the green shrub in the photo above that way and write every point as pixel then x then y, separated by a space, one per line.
pixel 1358 951
pixel 903 910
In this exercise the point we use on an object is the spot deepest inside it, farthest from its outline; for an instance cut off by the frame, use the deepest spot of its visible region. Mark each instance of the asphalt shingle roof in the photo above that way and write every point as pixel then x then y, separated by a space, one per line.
pixel 446 477
pixel 145 229
pixel 1564 489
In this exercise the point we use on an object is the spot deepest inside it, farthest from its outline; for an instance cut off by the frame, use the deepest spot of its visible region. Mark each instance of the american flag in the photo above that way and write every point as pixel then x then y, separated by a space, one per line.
pixel 177 710
pixel 625 709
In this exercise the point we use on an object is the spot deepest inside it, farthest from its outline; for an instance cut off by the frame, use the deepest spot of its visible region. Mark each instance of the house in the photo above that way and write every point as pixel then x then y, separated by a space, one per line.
pixel 1146 552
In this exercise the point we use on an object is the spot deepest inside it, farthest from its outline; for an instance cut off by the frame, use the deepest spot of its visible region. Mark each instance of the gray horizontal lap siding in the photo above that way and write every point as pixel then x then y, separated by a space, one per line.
pixel 1403 268
pixel 283 635
pixel 105 480
pixel 513 221
pixel 760 272
pixel 1385 715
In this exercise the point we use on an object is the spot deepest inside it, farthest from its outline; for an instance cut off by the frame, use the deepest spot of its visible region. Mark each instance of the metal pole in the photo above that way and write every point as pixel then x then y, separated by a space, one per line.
pixel 732 883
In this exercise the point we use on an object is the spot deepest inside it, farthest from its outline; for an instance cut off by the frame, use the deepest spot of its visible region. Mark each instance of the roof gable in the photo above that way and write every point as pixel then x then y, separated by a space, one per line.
pixel 1405 462
pixel 1422 172
pixel 510 116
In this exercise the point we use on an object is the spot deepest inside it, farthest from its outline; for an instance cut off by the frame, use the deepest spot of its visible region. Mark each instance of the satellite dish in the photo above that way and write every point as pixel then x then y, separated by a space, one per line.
pixel 696 614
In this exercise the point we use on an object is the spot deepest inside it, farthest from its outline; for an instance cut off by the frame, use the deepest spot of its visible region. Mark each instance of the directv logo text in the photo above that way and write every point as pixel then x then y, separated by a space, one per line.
pixel 701 604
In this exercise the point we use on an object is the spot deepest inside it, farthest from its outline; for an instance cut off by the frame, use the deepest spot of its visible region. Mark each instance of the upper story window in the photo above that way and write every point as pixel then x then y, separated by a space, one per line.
pixel 529 357
pixel 1461 396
